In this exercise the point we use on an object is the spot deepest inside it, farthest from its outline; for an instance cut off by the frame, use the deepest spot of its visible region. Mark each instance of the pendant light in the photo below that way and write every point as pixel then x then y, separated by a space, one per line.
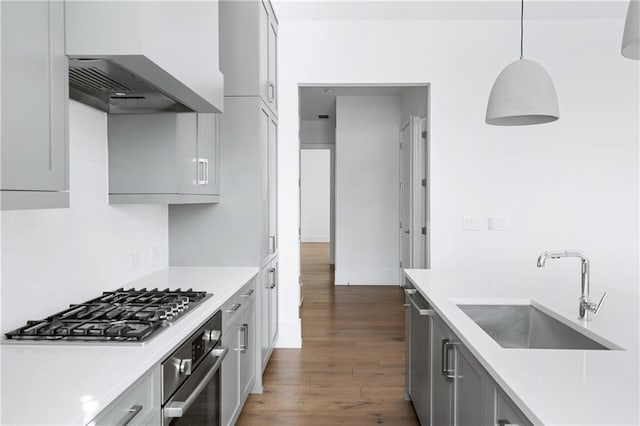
pixel 631 36
pixel 523 93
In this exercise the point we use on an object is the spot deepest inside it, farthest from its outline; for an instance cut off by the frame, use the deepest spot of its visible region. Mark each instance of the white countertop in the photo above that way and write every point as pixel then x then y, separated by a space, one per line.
pixel 554 387
pixel 70 383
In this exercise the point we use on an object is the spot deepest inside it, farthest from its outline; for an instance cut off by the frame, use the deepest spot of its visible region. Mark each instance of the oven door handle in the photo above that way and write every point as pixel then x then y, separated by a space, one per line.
pixel 178 408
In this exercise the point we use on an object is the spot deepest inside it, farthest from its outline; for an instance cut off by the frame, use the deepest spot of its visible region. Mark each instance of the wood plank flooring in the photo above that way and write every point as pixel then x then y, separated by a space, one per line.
pixel 350 370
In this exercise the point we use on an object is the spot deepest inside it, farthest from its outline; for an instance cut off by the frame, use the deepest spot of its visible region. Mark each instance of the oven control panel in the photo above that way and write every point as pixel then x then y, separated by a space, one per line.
pixel 178 366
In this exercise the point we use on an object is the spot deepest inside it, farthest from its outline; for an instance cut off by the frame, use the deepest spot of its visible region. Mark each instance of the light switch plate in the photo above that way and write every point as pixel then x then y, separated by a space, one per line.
pixel 471 223
pixel 497 224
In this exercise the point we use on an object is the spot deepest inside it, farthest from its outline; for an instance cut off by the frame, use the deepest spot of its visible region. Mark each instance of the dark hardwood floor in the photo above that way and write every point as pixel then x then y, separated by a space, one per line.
pixel 350 370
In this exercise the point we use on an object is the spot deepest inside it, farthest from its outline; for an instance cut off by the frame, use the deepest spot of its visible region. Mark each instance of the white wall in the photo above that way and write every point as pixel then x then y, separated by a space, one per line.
pixel 414 102
pixel 52 258
pixel 367 167
pixel 318 131
pixel 315 194
pixel 568 184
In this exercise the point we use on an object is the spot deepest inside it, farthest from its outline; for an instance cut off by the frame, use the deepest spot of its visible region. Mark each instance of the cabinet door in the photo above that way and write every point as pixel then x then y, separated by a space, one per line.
pixel 264 180
pixel 272 95
pixel 273 185
pixel 473 404
pixel 442 386
pixel 263 49
pixel 205 175
pixel 265 341
pixel 248 352
pixel 34 96
pixel 273 305
pixel 231 374
pixel 507 413
pixel 420 365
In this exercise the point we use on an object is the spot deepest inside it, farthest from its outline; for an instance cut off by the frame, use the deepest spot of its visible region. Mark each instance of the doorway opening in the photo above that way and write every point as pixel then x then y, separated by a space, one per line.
pixel 364 178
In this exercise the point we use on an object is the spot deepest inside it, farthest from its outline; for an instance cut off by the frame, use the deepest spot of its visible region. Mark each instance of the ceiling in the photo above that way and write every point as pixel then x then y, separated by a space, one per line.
pixel 447 9
pixel 321 99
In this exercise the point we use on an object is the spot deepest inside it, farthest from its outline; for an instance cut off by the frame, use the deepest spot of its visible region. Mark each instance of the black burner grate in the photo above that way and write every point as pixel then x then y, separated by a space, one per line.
pixel 120 315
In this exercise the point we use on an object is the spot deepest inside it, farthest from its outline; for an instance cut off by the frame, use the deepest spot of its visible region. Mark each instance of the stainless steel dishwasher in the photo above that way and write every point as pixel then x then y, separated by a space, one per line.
pixel 418 335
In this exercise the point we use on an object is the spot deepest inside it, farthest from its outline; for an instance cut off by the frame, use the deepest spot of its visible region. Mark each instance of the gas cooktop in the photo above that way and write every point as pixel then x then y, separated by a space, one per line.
pixel 116 316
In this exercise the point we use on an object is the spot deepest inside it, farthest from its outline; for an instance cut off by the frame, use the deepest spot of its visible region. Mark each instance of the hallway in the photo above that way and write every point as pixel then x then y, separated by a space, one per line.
pixel 350 370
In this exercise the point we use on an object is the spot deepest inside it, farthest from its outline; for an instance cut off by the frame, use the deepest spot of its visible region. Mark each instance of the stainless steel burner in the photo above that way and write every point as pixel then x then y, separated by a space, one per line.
pixel 121 315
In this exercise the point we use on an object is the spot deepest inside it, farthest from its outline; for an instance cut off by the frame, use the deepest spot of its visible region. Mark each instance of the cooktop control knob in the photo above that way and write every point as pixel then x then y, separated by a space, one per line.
pixel 211 335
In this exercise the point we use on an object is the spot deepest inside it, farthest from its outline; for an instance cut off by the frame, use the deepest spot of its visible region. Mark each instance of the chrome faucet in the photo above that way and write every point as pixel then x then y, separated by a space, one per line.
pixel 586 305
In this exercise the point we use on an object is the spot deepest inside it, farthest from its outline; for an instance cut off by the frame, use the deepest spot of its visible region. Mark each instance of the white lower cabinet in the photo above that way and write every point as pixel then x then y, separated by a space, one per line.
pixel 506 411
pixel 238 368
pixel 462 391
pixel 139 405
pixel 268 311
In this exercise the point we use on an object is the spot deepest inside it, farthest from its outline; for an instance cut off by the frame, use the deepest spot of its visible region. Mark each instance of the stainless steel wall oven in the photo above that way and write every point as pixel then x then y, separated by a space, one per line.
pixel 191 378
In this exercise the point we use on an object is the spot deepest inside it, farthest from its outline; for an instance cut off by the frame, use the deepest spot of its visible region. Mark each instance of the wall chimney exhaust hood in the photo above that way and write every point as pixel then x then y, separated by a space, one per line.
pixel 144 56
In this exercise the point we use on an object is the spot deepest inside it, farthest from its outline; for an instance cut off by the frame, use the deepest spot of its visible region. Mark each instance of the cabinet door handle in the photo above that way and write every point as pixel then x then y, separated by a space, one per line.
pixel 274 277
pixel 271 95
pixel 131 413
pixel 205 171
pixel 234 308
pixel 245 338
pixel 505 422
pixel 446 369
pixel 272 244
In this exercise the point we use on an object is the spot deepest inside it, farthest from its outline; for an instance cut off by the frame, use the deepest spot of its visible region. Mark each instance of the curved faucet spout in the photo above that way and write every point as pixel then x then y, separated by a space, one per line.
pixel 585 303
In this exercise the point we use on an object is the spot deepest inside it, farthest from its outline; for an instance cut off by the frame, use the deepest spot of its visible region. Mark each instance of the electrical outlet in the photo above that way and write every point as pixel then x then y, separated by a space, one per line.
pixel 497 224
pixel 134 260
pixel 471 223
pixel 154 254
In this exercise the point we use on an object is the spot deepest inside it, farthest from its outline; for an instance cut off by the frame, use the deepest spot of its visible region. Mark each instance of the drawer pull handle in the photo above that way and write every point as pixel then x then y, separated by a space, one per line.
pixel 249 293
pixel 505 422
pixel 234 308
pixel 131 413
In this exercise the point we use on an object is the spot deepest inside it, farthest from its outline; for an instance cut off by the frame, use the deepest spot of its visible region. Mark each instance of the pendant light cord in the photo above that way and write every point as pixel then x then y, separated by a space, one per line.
pixel 521 29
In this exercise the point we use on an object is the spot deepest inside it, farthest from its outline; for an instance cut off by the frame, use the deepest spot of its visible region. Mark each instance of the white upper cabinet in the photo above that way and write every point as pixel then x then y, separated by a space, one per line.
pixel 34 106
pixel 163 158
pixel 171 45
pixel 248 49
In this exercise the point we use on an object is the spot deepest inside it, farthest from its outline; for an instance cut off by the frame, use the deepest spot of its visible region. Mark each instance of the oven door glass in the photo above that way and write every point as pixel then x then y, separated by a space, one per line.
pixel 197 402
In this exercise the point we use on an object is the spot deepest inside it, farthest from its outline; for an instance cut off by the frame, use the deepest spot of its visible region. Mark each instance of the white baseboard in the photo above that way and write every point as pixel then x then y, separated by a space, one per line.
pixel 367 276
pixel 289 334
pixel 315 239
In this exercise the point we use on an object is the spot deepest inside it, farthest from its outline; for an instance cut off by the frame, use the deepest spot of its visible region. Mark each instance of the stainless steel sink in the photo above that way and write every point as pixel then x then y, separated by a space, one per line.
pixel 525 326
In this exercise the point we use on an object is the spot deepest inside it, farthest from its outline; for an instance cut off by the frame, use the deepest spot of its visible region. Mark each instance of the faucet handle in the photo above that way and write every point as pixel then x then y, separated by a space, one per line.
pixel 599 305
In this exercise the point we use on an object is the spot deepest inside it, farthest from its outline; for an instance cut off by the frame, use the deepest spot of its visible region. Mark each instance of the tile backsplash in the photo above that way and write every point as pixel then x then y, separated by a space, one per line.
pixel 52 258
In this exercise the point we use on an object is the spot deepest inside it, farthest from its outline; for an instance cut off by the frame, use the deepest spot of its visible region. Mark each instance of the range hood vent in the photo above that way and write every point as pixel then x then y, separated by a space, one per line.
pixel 111 87
pixel 92 79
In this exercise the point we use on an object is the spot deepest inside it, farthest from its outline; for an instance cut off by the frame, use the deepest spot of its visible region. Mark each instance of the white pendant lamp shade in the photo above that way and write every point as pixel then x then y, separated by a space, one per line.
pixel 523 94
pixel 631 36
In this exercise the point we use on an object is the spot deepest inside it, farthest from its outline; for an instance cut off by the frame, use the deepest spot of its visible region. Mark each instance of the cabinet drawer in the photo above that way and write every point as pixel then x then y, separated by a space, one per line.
pixel 138 405
pixel 235 306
